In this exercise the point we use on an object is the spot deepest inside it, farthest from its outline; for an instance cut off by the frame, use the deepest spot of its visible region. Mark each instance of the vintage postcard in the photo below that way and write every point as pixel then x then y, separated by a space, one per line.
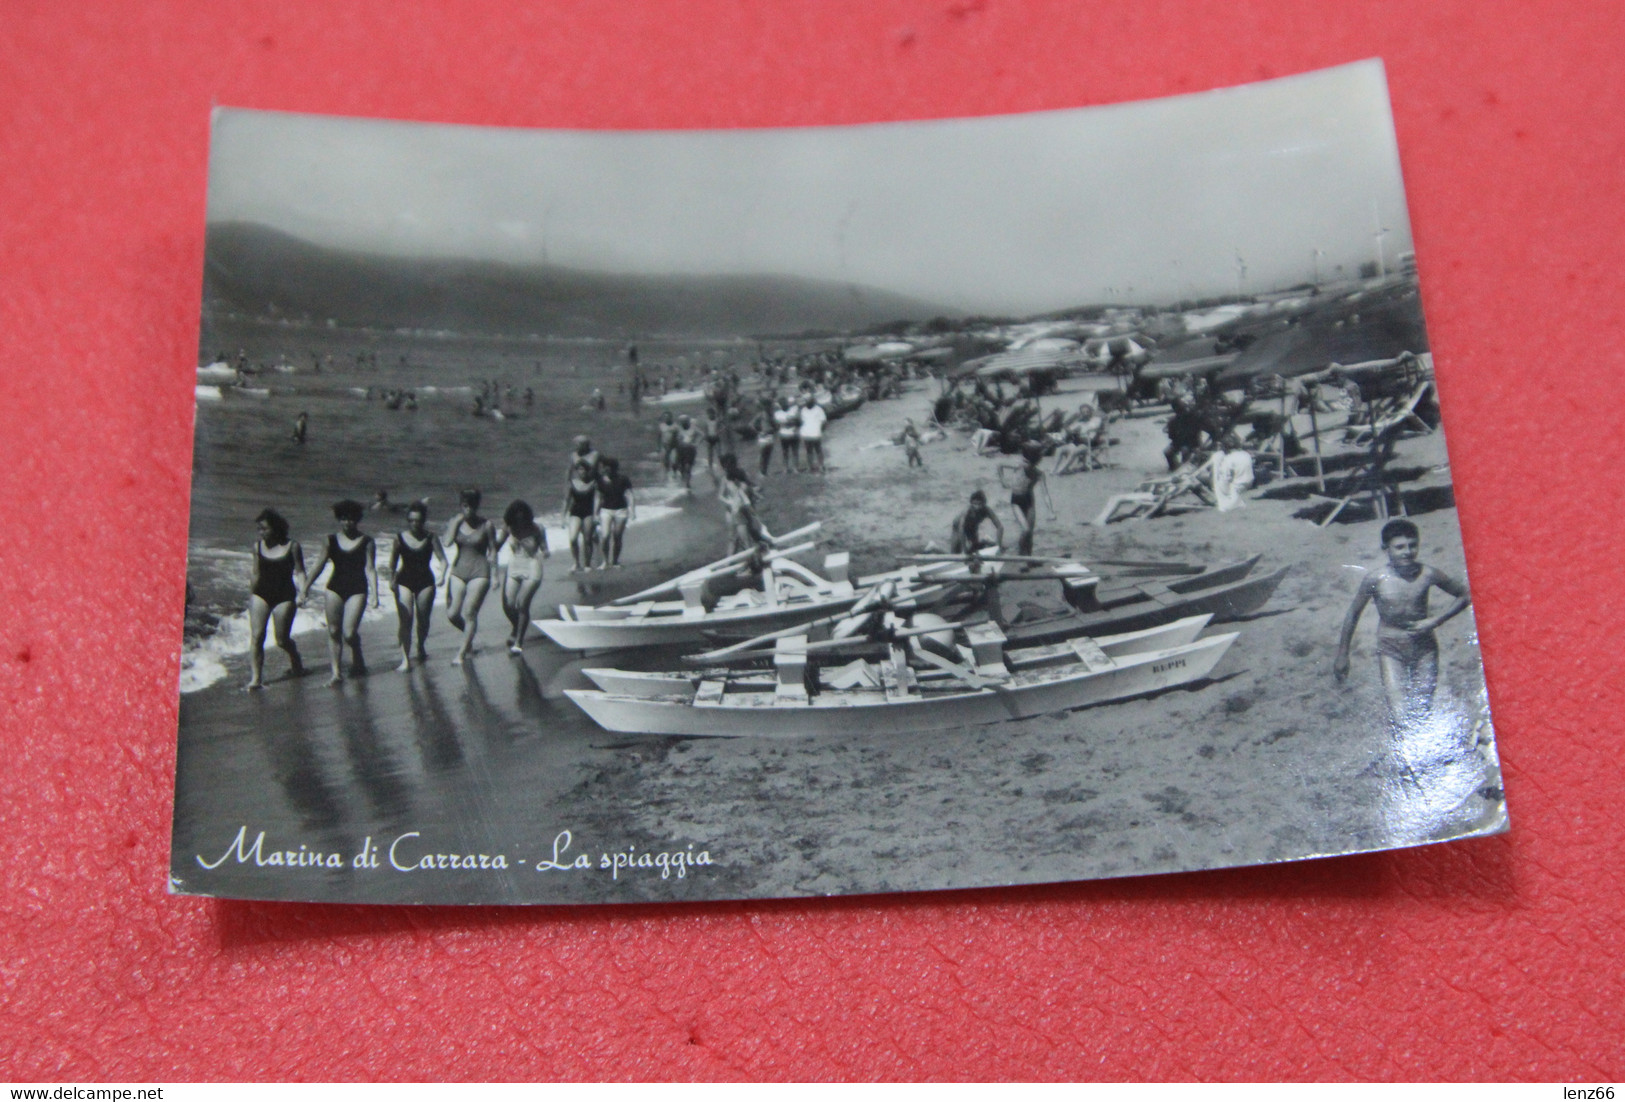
pixel 586 517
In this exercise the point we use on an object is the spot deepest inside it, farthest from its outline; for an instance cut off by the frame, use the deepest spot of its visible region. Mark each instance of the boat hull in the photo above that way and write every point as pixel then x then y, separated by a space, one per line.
pixel 1224 602
pixel 595 635
pixel 666 683
pixel 868 711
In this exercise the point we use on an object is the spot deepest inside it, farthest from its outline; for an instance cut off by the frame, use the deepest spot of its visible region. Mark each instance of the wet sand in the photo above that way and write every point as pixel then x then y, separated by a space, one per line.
pixel 1269 760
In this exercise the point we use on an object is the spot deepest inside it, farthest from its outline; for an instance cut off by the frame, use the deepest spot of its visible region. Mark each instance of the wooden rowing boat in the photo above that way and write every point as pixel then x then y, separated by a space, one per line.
pixel 1153 603
pixel 791 594
pixel 984 687
pixel 834 657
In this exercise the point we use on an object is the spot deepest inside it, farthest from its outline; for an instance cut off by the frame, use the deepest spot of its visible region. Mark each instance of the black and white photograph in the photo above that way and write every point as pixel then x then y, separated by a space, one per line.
pixel 610 516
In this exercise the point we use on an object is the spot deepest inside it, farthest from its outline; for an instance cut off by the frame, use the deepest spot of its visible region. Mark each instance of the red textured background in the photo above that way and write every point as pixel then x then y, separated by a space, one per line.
pixel 1499 958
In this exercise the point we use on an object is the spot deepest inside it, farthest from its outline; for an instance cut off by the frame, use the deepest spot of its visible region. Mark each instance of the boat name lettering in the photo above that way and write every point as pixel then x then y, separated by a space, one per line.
pixel 1164 667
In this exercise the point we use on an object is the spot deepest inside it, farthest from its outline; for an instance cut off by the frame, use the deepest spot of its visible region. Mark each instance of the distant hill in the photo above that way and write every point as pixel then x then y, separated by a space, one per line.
pixel 257 272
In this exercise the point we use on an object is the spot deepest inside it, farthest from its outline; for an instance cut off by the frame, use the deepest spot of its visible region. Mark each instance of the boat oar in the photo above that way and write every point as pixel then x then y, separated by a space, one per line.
pixel 1163 567
pixel 720 566
pixel 855 642
pixel 755 643
pixel 986 558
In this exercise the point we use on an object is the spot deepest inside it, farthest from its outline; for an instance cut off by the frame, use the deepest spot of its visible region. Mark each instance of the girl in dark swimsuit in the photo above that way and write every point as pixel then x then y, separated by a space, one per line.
pixel 1028 480
pixel 351 587
pixel 476 540
pixel 278 560
pixel 412 580
pixel 580 507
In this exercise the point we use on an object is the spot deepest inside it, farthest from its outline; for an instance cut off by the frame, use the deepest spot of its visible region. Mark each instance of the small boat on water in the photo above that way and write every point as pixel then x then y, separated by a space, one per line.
pixel 678 397
pixel 986 685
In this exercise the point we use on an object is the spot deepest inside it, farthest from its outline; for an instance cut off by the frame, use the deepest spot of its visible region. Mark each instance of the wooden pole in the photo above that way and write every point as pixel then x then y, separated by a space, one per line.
pixel 1314 429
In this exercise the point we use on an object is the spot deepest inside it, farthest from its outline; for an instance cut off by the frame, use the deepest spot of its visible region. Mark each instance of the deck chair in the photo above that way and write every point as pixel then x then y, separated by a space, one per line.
pixel 1156 496
pixel 1402 416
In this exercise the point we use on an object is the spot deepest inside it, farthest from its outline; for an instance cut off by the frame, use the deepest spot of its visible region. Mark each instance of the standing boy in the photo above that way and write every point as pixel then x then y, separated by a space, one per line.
pixel 1407 652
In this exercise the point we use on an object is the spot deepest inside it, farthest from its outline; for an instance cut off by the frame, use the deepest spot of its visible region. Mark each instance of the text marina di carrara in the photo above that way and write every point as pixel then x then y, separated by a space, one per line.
pixel 407 853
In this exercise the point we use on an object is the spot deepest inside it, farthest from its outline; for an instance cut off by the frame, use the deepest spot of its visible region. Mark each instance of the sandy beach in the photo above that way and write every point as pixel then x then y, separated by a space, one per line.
pixel 1268 760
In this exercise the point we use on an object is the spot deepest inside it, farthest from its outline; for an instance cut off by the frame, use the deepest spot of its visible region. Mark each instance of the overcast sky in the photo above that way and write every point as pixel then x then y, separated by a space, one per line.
pixel 1018 214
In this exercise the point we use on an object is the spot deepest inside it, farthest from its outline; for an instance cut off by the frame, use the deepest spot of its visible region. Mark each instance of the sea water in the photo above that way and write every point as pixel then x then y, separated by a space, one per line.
pixel 245 459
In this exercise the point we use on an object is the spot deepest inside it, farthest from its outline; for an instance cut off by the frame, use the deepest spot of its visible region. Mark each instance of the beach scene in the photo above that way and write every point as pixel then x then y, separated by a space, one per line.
pixel 712 516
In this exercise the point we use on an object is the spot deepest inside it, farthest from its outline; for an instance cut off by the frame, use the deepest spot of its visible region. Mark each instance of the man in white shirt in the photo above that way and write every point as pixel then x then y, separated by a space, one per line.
pixel 812 433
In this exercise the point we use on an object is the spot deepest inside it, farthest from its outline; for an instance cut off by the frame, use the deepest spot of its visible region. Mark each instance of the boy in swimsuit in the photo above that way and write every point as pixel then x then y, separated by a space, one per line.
pixel 966 538
pixel 1407 652
pixel 1029 478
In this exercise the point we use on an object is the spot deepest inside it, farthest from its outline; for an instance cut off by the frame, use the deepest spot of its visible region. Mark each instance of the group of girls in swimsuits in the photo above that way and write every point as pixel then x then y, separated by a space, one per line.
pixel 281 580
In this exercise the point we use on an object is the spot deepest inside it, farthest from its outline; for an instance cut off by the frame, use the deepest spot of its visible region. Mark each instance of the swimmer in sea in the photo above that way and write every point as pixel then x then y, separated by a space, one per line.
pixel 523 544
pixel 475 539
pixel 581 504
pixel 351 586
pixel 616 508
pixel 1407 651
pixel 412 580
pixel 301 425
pixel 278 561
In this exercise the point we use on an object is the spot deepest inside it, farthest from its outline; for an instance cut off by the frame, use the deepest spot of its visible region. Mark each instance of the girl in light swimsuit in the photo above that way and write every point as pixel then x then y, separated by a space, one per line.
pixel 275 596
pixel 475 539
pixel 412 580
pixel 351 587
pixel 523 544
pixel 1022 501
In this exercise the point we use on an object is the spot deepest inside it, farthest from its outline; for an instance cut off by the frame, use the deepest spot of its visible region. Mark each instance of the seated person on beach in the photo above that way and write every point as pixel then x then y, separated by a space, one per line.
pixel 1407 651
pixel 1155 493
pixel 1232 474
pixel 1078 439
pixel 966 537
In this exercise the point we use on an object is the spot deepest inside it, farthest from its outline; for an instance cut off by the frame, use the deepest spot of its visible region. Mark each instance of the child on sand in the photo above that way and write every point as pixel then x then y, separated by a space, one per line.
pixel 911 443
pixel 1407 652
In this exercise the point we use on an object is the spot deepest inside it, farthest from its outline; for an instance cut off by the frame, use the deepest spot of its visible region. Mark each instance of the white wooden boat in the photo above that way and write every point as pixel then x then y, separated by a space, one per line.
pixel 895 698
pixel 651 685
pixel 791 594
